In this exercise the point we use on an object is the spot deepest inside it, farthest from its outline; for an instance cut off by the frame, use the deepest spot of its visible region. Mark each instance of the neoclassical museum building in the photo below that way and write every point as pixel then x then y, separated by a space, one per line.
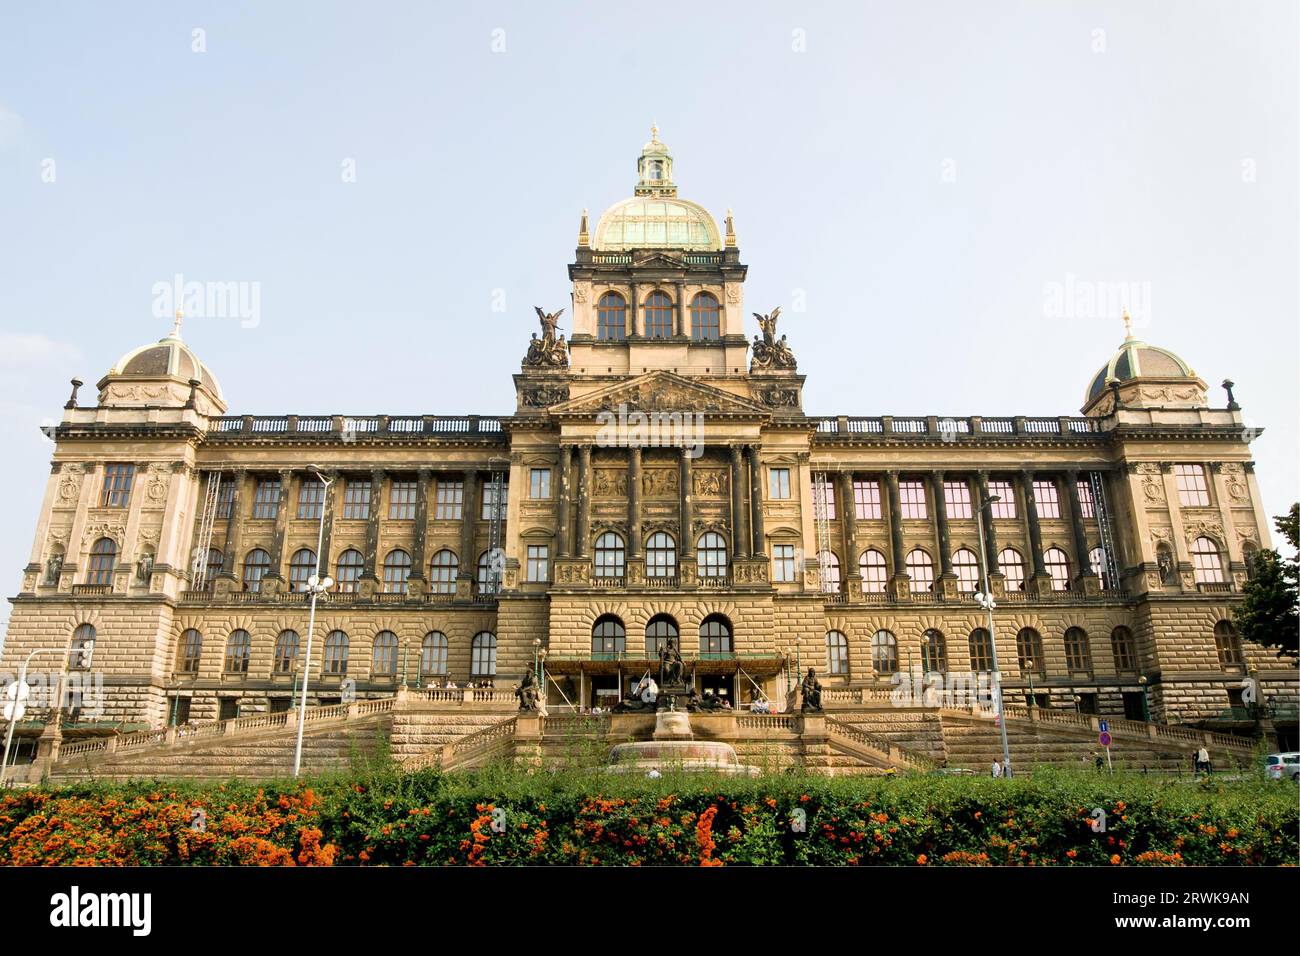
pixel 657 477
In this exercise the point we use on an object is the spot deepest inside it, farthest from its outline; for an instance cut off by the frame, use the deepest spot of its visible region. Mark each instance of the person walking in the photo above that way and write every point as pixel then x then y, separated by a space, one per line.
pixel 1203 757
pixel 997 769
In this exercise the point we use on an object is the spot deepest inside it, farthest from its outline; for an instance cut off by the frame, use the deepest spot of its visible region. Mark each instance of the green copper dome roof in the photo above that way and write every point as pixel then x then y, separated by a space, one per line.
pixel 1137 359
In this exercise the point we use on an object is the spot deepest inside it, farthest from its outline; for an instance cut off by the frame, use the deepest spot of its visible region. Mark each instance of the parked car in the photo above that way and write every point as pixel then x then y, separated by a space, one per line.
pixel 1279 766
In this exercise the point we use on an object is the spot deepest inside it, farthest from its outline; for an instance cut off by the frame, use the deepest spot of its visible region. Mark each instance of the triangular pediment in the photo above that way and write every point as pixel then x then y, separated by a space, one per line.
pixel 661 260
pixel 660 392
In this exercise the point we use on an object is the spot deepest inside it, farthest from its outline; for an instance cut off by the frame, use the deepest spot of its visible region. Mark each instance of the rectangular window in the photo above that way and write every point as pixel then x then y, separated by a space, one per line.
pixel 911 497
pixel 1192 489
pixel 117 486
pixel 226 499
pixel 539 483
pixel 266 501
pixel 1085 500
pixel 1005 508
pixel 778 483
pixel 489 491
pixel 356 499
pixel 311 498
pixel 783 569
pixel 538 563
pixel 956 497
pixel 1049 506
pixel 866 499
pixel 451 494
pixel 401 500
pixel 828 490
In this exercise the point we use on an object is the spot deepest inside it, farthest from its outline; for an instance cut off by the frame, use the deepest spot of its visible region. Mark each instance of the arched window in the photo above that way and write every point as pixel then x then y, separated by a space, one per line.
pixel 433 654
pixel 1207 568
pixel 443 569
pixel 884 653
pixel 1012 566
pixel 1228 644
pixel 83 648
pixel 103 558
pixel 483 655
pixel 981 651
pixel 191 651
pixel 1123 650
pixel 657 634
pixel 658 312
pixel 1029 652
pixel 239 647
pixel 660 555
pixel 611 318
pixel 715 636
pixel 610 556
pixel 256 564
pixel 831 583
pixel 286 652
pixel 397 568
pixel 1097 562
pixel 837 653
pixel 706 323
pixel 349 569
pixel 711 555
pixel 490 565
pixel 301 567
pixel 1078 653
pixel 934 652
pixel 875 573
pixel 215 566
pixel 1058 568
pixel 921 568
pixel 608 638
pixel 967 567
pixel 336 654
pixel 383 655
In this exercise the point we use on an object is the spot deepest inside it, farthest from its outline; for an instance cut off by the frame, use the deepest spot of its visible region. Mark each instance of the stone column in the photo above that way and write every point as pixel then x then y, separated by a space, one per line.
pixel 1083 574
pixel 739 527
pixel 990 533
pixel 633 314
pixel 685 503
pixel 634 502
pixel 583 532
pixel 756 503
pixel 682 328
pixel 468 526
pixel 562 545
pixel 1039 569
pixel 941 526
pixel 332 492
pixel 900 577
pixel 849 517
pixel 369 572
pixel 281 525
pixel 423 477
pixel 235 526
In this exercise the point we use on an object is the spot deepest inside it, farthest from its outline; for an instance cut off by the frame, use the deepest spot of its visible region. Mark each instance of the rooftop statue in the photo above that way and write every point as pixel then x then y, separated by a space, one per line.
pixel 769 352
pixel 550 351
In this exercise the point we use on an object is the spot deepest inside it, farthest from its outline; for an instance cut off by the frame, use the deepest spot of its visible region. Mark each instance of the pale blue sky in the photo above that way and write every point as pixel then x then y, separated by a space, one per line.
pixel 1168 159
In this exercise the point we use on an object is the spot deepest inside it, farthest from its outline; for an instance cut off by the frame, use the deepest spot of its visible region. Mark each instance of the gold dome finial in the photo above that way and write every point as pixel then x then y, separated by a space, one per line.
pixel 1128 326
pixel 731 230
pixel 176 326
pixel 654 132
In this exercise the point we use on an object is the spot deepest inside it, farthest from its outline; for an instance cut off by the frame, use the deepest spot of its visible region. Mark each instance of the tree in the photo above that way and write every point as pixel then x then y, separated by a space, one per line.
pixel 1268 615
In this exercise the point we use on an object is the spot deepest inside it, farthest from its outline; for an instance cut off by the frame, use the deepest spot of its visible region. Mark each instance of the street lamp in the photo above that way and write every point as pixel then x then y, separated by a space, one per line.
pixel 537 646
pixel 1033 700
pixel 18 705
pixel 317 586
pixel 1077 701
pixel 1146 710
pixel 985 600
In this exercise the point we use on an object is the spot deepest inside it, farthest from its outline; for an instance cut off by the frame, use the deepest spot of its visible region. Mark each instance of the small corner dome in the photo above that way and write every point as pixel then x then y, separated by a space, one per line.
pixel 159 373
pixel 1148 376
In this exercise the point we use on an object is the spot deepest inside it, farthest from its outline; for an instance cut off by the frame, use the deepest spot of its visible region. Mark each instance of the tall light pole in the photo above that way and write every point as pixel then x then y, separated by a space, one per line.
pixel 985 600
pixel 317 585
pixel 18 705
pixel 1146 709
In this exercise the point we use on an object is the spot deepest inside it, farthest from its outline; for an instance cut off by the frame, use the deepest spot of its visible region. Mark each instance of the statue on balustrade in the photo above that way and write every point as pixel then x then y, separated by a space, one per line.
pixel 527 692
pixel 812 692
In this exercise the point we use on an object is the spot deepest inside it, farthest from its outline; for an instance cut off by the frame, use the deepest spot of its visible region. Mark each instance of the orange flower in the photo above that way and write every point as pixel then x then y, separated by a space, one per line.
pixel 921 860
pixel 1114 860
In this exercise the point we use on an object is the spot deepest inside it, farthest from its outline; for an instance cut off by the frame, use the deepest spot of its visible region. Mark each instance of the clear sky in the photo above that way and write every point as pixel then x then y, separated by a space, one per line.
pixel 918 175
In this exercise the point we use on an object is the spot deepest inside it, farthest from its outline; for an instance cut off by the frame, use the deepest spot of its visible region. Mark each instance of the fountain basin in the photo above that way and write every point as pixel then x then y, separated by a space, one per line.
pixel 696 756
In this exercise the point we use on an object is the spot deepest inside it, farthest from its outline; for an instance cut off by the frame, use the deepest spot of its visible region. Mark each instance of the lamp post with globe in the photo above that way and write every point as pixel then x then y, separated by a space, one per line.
pixel 316 586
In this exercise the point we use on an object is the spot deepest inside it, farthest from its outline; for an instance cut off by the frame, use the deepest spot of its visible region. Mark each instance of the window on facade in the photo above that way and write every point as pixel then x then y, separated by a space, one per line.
pixel 82 653
pixel 397 568
pixel 266 500
pixel 383 655
pixel 981 651
pixel 611 318
pixel 1193 491
pixel 778 483
pixel 658 312
pixel 911 499
pixel 866 499
pixel 1228 645
pixel 433 654
pixel 490 493
pixel 715 636
pixel 824 499
pixel 657 634
pixel 356 499
pixel 934 652
pixel 490 566
pixel 1029 652
pixel 831 580
pixel 921 569
pixel 1078 654
pixel 1045 497
pixel 301 567
pixel 448 501
pixel 226 499
pixel 1084 491
pixel 884 653
pixel 103 559
pixel 1207 568
pixel 956 498
pixel 783 569
pixel 117 486
pixel 483 655
pixel 711 555
pixel 608 638
pixel 216 565
pixel 1058 568
pixel 610 556
pixel 401 500
pixel 256 565
pixel 239 647
pixel 538 567
pixel 1012 566
pixel 706 324
pixel 443 569
pixel 660 555
pixel 539 483
pixel 1123 650
pixel 837 653
pixel 967 568
pixel 348 570
pixel 1097 562
pixel 1005 507
pixel 875 573
pixel 311 498
pixel 286 652
pixel 336 654
pixel 191 651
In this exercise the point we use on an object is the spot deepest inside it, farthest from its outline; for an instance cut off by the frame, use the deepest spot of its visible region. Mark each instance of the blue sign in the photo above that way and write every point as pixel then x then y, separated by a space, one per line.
pixel 1103 726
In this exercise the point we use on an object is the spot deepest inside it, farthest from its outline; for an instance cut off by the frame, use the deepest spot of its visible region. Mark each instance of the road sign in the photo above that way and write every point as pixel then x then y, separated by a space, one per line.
pixel 16 695
pixel 1103 726
pixel 1104 738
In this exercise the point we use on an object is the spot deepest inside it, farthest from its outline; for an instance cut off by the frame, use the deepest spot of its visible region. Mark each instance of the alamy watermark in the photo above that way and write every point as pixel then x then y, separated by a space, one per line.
pixel 627 428
pixel 241 300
